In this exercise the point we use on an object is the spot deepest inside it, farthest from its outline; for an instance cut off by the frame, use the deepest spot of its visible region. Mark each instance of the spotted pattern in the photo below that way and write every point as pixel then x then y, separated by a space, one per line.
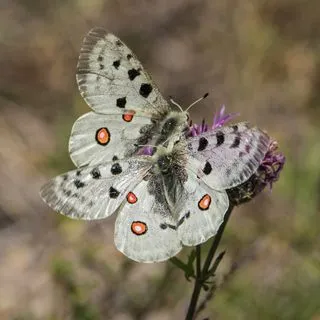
pixel 164 226
pixel 113 193
pixel 220 138
pixel 103 136
pixel 132 198
pixel 133 73
pixel 79 184
pixel 128 116
pixel 95 173
pixel 207 168
pixel 121 102
pixel 145 90
pixel 236 142
pixel 203 143
pixel 139 228
pixel 116 169
pixel 204 202
pixel 116 64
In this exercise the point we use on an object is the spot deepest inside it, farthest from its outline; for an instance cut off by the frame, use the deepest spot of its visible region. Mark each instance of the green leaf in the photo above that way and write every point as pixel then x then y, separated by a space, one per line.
pixel 188 267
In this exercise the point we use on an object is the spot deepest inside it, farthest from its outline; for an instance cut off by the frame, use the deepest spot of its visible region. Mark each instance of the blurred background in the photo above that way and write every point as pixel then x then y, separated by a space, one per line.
pixel 260 58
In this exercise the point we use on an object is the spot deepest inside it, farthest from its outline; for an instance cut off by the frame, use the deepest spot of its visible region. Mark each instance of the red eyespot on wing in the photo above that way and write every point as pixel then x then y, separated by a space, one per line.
pixel 128 116
pixel 204 202
pixel 103 136
pixel 139 228
pixel 132 198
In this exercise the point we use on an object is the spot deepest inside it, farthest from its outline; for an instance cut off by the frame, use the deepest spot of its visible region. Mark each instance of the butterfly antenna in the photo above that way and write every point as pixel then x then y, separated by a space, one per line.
pixel 175 103
pixel 195 102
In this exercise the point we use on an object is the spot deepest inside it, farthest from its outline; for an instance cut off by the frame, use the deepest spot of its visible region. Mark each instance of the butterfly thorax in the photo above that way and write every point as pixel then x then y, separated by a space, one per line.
pixel 172 127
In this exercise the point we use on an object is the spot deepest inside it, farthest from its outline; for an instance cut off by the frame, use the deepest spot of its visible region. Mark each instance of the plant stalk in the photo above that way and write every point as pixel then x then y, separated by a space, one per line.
pixel 200 273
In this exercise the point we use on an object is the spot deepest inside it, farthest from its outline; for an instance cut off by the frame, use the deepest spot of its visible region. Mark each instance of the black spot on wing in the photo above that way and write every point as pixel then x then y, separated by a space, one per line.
pixel 235 128
pixel 207 168
pixel 121 102
pixel 145 89
pixel 113 193
pixel 101 66
pixel 116 64
pixel 95 173
pixel 116 169
pixel 115 158
pixel 119 43
pixel 78 184
pixel 133 73
pixel 203 142
pixel 166 225
pixel 181 221
pixel 236 142
pixel 100 58
pixel 129 56
pixel 220 138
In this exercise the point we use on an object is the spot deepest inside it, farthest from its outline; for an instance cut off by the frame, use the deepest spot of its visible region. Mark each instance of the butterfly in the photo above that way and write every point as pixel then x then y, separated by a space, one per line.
pixel 173 196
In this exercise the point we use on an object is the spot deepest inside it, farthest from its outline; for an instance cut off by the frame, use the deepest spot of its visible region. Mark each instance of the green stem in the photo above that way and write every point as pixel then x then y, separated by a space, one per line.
pixel 199 276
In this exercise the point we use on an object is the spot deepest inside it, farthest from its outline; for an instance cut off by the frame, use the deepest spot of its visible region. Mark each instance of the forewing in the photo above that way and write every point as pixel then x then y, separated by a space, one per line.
pixel 141 231
pixel 98 138
pixel 93 192
pixel 111 79
pixel 228 156
pixel 201 211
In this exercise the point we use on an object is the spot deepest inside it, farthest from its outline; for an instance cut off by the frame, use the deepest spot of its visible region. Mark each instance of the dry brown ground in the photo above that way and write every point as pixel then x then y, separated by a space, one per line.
pixel 260 58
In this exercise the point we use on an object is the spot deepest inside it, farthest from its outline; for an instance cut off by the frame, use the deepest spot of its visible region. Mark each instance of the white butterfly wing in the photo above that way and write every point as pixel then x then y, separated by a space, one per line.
pixel 201 211
pixel 98 138
pixel 111 78
pixel 141 231
pixel 228 156
pixel 93 192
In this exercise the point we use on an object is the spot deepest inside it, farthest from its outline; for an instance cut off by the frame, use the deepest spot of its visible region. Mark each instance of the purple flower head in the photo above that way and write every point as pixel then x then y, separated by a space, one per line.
pixel 218 121
pixel 267 173
pixel 196 129
pixel 271 166
pixel 146 151
pixel 220 118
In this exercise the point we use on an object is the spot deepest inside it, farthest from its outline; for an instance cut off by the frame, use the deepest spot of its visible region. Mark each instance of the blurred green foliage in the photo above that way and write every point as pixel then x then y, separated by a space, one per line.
pixel 260 57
